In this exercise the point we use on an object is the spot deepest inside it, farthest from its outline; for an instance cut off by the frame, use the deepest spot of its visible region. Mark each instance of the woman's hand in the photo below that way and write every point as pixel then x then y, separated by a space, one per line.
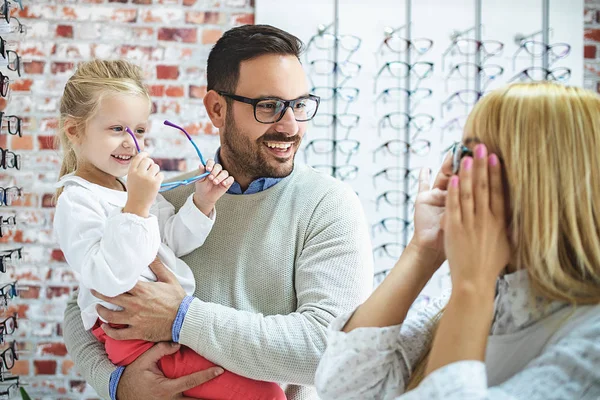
pixel 475 234
pixel 429 209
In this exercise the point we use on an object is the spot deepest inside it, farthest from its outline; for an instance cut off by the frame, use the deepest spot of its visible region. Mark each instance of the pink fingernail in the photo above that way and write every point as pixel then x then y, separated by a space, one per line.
pixel 493 160
pixel 480 151
pixel 454 181
pixel 468 163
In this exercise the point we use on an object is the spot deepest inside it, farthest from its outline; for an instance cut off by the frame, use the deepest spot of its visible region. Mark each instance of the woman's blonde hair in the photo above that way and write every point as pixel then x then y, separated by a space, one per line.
pixel 548 138
pixel 83 94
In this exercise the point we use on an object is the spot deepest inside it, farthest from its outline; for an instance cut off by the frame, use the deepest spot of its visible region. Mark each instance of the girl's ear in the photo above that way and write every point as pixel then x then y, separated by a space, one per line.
pixel 72 131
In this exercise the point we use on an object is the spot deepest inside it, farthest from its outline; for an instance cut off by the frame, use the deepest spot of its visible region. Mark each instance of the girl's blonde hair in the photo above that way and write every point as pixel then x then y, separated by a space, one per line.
pixel 548 137
pixel 83 94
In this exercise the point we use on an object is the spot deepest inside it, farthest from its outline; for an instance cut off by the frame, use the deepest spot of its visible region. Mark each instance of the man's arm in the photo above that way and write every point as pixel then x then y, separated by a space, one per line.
pixel 333 275
pixel 86 351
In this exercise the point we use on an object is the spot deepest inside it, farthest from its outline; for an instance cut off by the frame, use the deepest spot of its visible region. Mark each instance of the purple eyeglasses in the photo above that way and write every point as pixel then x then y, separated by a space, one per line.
pixel 172 185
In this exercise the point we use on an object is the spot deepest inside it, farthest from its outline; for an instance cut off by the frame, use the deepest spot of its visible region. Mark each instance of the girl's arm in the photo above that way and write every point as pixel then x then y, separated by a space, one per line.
pixel 185 230
pixel 108 253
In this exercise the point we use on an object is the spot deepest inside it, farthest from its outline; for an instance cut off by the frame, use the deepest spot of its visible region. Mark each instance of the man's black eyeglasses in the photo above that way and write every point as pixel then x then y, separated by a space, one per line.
pixel 269 110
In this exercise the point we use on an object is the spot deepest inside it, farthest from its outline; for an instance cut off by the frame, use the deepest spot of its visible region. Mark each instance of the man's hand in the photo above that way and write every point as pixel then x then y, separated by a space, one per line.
pixel 149 308
pixel 143 380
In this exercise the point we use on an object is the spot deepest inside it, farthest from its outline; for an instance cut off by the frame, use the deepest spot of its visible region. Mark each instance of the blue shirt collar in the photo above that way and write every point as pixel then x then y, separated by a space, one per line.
pixel 256 186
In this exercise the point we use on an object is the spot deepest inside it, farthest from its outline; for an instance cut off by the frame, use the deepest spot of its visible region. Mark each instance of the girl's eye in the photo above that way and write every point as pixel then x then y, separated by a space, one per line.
pixel 117 129
pixel 140 132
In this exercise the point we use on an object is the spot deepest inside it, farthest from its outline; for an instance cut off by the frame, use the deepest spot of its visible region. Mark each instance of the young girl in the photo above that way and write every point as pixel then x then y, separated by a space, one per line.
pixel 521 231
pixel 111 231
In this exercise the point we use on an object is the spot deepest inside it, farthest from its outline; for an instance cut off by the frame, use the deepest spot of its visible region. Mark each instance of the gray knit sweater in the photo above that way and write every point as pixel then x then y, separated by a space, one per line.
pixel 276 269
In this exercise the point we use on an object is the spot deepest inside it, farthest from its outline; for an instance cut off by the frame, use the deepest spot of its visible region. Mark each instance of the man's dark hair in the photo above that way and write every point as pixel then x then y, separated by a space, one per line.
pixel 244 43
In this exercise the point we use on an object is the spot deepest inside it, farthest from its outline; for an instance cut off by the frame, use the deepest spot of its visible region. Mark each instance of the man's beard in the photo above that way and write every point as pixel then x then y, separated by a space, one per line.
pixel 249 157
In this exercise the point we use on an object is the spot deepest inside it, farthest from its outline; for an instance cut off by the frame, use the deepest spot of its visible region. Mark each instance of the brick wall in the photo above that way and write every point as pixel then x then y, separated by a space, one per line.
pixel 170 39
pixel 591 50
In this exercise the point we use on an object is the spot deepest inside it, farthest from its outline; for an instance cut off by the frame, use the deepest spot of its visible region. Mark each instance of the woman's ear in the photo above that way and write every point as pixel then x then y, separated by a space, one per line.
pixel 216 108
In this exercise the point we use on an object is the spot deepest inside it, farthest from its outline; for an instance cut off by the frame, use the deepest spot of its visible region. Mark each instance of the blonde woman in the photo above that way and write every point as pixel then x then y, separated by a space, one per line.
pixel 520 226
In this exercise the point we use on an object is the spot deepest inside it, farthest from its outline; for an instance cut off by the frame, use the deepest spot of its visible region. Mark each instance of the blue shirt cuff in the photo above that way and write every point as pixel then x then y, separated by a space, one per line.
pixel 115 377
pixel 178 323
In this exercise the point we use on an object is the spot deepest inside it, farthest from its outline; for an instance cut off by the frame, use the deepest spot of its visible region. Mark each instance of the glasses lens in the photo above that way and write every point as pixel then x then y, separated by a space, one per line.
pixel 322 67
pixel 323 120
pixel 467 46
pixel 347 172
pixel 394 225
pixel 422 70
pixel 13 124
pixel 347 146
pixel 4 87
pixel 560 50
pixel 349 69
pixel 420 147
pixel 398 69
pixel 321 146
pixel 560 74
pixel 325 93
pixel 536 49
pixel 9 326
pixel 397 44
pixel 422 122
pixel 347 94
pixel 9 359
pixel 348 120
pixel 422 46
pixel 350 43
pixel 492 47
pixel 269 110
pixel 304 108
pixel 397 120
pixel 325 41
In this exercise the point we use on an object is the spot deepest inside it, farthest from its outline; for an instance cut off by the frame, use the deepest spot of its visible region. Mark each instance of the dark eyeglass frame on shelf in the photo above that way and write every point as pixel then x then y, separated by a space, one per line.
pixel 9 291
pixel 382 225
pixel 12 220
pixel 460 95
pixel 283 104
pixel 406 199
pixel 336 145
pixel 479 46
pixel 8 328
pixel 346 94
pixel 399 148
pixel 5 193
pixel 334 170
pixel 549 75
pixel 398 174
pixel 8 155
pixel 6 379
pixel 408 44
pixel 8 254
pixel 14 64
pixel 9 119
pixel 386 249
pixel 408 120
pixel 527 46
pixel 4 85
pixel 6 361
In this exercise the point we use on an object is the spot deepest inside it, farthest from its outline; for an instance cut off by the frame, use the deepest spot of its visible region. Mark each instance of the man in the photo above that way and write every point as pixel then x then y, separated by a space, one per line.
pixel 288 253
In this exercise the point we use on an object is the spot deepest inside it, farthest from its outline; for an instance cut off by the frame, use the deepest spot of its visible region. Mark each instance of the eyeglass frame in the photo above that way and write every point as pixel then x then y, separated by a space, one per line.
pixel 16 157
pixel 19 130
pixel 11 294
pixel 12 347
pixel 547 49
pixel 4 191
pixel 166 186
pixel 548 72
pixel 336 146
pixel 3 327
pixel 287 104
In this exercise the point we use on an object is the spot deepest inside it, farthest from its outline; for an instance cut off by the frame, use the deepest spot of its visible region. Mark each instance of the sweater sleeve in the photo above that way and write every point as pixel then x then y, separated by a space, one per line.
pixel 333 274
pixel 86 351
pixel 374 363
pixel 108 253
pixel 185 230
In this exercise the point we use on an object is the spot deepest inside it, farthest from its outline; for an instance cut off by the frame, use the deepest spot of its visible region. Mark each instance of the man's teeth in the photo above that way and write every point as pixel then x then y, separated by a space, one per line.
pixel 283 146
pixel 122 157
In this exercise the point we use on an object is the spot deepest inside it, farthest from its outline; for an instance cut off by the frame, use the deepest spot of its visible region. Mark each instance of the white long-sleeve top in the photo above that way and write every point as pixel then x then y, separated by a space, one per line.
pixel 537 350
pixel 110 250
